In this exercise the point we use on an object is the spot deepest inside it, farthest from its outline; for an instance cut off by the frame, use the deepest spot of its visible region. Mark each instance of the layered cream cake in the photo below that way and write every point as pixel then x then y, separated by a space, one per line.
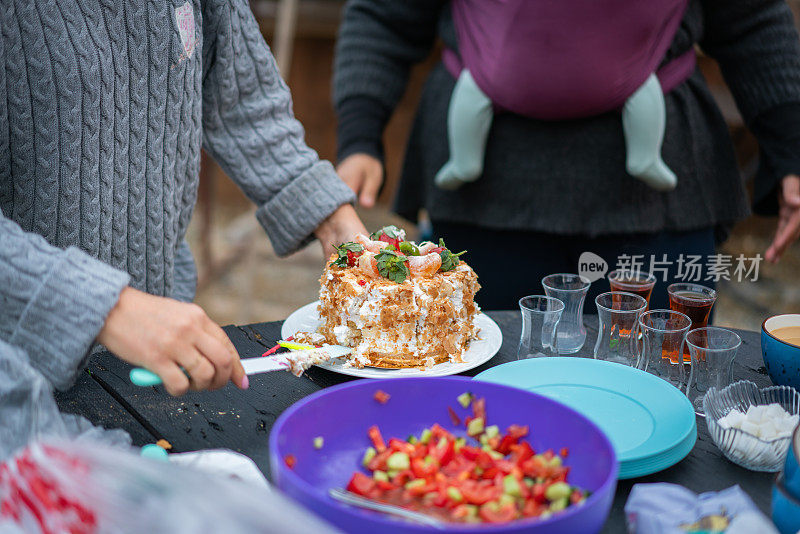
pixel 396 303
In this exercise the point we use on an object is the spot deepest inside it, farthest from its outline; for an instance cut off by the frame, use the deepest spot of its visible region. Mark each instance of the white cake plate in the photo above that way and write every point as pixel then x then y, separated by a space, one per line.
pixel 480 350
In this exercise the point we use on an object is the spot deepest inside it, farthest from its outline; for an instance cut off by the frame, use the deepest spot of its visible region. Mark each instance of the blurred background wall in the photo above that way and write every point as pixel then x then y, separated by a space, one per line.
pixel 241 279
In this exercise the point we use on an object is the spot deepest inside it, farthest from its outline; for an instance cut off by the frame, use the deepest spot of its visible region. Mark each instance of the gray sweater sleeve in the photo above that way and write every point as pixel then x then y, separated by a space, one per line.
pixel 756 45
pixel 53 302
pixel 249 128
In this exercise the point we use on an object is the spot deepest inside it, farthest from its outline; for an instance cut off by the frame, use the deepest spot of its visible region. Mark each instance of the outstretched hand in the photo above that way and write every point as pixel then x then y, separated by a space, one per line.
pixel 788 218
pixel 341 226
pixel 364 175
pixel 165 335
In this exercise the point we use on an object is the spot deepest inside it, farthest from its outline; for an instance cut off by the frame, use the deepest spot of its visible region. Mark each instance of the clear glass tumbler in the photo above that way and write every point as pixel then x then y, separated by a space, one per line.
pixel 570 289
pixel 636 282
pixel 662 333
pixel 540 316
pixel 693 300
pixel 617 333
pixel 712 351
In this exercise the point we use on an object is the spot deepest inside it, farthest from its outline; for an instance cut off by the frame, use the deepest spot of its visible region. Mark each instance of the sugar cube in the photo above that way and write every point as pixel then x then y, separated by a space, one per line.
pixel 735 418
pixel 751 428
pixel 767 430
pixel 781 425
pixel 775 411
pixel 755 414
pixel 724 422
pixel 789 424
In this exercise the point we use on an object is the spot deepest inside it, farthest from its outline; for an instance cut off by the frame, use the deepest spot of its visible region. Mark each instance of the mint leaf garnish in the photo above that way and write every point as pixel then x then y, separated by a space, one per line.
pixel 390 231
pixel 449 260
pixel 408 248
pixel 392 265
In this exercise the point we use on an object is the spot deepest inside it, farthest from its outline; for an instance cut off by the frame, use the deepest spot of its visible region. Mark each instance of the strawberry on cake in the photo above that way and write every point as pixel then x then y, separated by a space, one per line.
pixel 397 303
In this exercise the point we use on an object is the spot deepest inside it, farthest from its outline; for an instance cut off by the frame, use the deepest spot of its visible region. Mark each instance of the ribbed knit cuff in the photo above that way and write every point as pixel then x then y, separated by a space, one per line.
pixel 59 325
pixel 778 133
pixel 293 214
pixel 360 127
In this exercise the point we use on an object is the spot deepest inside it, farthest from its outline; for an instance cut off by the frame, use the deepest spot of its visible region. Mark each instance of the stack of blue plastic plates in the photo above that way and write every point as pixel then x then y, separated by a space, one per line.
pixel 650 423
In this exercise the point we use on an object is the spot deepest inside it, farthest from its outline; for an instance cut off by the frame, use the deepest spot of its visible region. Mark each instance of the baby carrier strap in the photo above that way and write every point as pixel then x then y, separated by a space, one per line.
pixel 676 71
pixel 558 59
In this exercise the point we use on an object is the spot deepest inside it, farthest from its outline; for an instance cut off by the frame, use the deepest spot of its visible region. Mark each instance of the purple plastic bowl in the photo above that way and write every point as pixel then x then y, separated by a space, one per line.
pixel 342 414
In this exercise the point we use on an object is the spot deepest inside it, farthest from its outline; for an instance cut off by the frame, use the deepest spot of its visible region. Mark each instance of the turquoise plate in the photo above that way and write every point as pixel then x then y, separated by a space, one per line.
pixel 650 423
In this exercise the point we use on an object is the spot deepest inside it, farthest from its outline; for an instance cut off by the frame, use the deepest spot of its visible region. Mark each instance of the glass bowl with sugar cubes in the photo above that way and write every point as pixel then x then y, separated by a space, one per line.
pixel 751 426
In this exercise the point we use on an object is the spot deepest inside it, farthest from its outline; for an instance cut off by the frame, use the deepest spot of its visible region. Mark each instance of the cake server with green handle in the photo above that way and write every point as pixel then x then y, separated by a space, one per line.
pixel 295 362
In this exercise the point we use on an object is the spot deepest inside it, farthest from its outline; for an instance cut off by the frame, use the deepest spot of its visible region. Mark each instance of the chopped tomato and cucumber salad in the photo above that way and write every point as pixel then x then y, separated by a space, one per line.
pixel 488 476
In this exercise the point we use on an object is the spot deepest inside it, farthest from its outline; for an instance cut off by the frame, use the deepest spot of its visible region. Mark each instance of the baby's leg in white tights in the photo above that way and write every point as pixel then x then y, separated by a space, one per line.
pixel 469 118
pixel 643 122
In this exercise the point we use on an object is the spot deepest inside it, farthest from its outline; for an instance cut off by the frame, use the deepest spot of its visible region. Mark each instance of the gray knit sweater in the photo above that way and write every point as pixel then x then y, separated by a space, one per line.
pixel 104 105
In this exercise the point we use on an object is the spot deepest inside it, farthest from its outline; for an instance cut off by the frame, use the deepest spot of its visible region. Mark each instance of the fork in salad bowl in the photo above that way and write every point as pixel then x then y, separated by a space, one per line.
pixel 347 497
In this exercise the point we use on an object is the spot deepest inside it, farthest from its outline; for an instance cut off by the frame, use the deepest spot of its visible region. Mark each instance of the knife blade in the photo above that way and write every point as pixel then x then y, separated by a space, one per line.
pixel 280 362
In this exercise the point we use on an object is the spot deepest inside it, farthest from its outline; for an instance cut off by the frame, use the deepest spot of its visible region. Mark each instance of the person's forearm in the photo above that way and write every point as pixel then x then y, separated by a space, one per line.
pixel 175 340
pixel 249 128
pixel 778 133
pixel 54 301
pixel 757 47
pixel 378 43
pixel 361 121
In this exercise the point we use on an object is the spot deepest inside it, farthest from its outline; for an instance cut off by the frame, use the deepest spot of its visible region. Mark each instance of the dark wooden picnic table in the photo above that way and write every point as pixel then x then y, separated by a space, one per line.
pixel 241 420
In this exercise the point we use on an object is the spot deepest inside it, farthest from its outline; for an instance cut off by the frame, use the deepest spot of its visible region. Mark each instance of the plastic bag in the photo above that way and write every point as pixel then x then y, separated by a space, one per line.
pixel 28 409
pixel 222 462
pixel 663 508
pixel 62 474
pixel 86 488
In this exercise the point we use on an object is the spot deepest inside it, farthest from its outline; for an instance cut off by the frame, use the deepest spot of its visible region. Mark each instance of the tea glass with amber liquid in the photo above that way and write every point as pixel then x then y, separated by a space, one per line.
pixel 630 281
pixel 694 301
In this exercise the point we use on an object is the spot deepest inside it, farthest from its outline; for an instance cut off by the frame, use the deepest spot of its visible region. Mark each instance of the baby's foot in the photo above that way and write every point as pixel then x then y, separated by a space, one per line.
pixel 657 175
pixel 448 178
